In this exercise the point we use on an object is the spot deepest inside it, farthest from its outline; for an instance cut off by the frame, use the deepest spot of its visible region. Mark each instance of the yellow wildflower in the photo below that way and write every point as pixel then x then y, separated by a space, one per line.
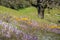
pixel 53 26
pixel 25 19
pixel 18 19
pixel 58 27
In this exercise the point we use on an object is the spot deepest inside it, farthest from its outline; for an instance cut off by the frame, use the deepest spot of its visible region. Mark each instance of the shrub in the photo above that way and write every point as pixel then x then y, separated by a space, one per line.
pixel 14 4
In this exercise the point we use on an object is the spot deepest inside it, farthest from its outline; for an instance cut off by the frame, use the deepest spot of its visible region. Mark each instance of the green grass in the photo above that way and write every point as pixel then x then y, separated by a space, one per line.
pixel 54 15
pixel 31 12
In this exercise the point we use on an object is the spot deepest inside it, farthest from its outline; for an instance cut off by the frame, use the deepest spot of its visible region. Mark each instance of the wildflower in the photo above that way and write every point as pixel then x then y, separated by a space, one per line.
pixel 0 21
pixel 8 35
pixel 25 19
pixel 58 27
pixel 29 37
pixel 12 30
pixel 53 26
pixel 18 19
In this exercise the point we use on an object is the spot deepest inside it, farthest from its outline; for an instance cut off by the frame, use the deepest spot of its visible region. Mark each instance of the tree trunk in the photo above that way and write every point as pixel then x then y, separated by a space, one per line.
pixel 41 11
pixel 40 8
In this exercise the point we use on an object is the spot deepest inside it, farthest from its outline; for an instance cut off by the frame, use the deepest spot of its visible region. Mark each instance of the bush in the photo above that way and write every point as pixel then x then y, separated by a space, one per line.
pixel 14 4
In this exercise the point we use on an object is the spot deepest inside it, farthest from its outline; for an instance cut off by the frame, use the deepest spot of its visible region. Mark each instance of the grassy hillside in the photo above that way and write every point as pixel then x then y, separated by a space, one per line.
pixel 31 12
pixel 24 24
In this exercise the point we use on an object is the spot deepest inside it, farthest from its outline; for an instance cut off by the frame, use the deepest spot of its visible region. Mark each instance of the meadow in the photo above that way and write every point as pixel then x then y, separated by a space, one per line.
pixel 24 24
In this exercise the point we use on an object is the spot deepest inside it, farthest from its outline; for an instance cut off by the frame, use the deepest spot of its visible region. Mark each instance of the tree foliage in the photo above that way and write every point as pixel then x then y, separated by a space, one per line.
pixel 14 4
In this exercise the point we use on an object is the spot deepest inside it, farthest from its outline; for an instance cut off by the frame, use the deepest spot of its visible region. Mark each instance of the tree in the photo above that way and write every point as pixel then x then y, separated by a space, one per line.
pixel 41 5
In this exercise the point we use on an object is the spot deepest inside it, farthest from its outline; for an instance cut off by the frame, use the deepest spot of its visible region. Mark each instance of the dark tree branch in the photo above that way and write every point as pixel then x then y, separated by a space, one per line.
pixel 33 5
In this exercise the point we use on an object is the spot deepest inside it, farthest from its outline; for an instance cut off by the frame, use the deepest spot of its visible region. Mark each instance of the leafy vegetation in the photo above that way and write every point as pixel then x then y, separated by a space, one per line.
pixel 26 24
pixel 21 20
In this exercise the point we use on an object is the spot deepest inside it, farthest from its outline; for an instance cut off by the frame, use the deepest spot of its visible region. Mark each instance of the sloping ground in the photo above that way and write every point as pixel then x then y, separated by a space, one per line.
pixel 31 12
pixel 26 29
pixel 8 31
pixel 29 24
